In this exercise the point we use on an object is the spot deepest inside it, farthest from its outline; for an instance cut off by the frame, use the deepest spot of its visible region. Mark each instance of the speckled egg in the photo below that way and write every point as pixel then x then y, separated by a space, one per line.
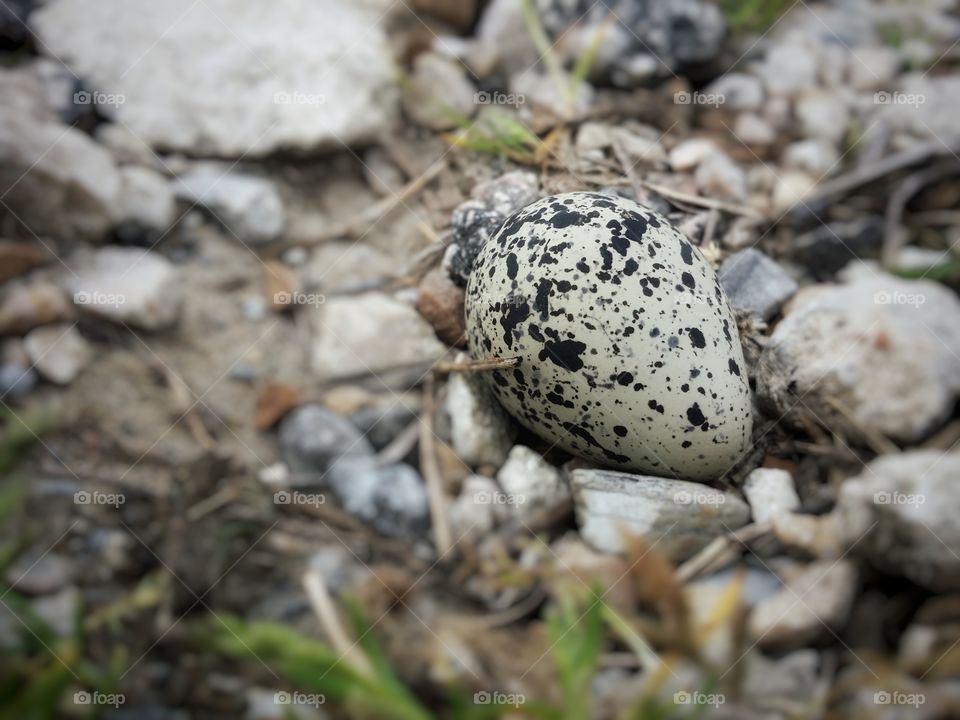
pixel 629 352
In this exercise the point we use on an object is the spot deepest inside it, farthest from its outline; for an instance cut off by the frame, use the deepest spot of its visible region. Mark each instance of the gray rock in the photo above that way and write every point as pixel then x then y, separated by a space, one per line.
pixel 146 207
pixel 815 600
pixel 740 91
pixel 842 345
pixel 126 285
pixel 249 206
pixel 770 492
pixel 312 438
pixel 822 115
pixel 532 482
pixel 216 86
pixel 369 333
pixel 677 517
pixel 873 68
pixel 789 67
pixel 473 513
pixel 753 129
pixel 16 381
pixel 54 179
pixel 814 156
pixel 924 105
pixel 381 424
pixel 438 95
pixel 756 284
pixel 40 574
pixel 58 352
pixel 481 432
pixel 720 177
pixel 59 611
pixel 688 154
pixel 828 248
pixel 900 514
pixel 391 498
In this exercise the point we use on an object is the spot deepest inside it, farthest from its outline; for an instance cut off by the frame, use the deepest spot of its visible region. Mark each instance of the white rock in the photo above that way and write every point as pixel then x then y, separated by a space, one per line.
pixel 145 204
pixel 924 105
pixel 438 95
pixel 688 154
pixel 740 91
pixel 369 333
pixel 822 115
pixel 473 513
pixel 752 129
pixel 58 352
pixel 900 513
pixel 872 68
pixel 814 156
pixel 770 492
pixel 788 68
pixel 212 79
pixel 531 481
pixel 54 179
pixel 720 177
pixel 248 205
pixel 481 432
pixel 677 517
pixel 790 188
pixel 126 285
pixel 842 344
pixel 817 599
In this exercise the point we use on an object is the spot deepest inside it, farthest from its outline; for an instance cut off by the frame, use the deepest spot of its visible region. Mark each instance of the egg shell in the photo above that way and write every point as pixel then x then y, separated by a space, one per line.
pixel 629 352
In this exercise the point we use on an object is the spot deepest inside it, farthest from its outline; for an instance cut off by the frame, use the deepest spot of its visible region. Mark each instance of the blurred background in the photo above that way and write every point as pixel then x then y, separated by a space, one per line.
pixel 249 470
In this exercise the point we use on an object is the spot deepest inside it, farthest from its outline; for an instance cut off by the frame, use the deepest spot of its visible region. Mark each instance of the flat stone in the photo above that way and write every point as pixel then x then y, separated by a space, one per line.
pixel 216 83
pixel 755 283
pixel 676 517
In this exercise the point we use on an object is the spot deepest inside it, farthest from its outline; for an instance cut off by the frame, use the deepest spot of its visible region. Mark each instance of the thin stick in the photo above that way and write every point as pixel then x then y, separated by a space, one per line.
pixel 442 535
pixel 323 606
pixel 467 366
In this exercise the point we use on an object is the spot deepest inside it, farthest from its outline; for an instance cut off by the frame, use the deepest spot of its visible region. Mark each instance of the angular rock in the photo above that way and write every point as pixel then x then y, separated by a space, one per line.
pixel 312 438
pixel 438 95
pixel 839 346
pixel 247 205
pixel 770 492
pixel 675 516
pixel 534 483
pixel 126 285
pixel 815 600
pixel 755 283
pixel 900 514
pixel 58 352
pixel 481 432
pixel 217 84
pixel 369 333
pixel 145 207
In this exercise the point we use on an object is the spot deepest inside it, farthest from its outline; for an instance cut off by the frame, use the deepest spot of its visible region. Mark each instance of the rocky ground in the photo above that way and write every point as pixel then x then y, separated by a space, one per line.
pixel 251 469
